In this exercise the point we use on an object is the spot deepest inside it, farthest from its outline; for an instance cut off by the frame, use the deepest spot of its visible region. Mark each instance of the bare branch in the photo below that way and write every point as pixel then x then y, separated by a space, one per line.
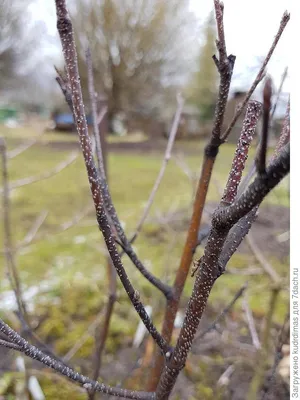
pixel 256 192
pixel 283 338
pixel 241 153
pixel 11 267
pixel 90 331
pixel 264 263
pixel 221 44
pixel 225 311
pixel 283 78
pixel 208 266
pixel 283 140
pixel 102 335
pixel 45 175
pixel 31 234
pixel 75 219
pixel 65 30
pixel 78 216
pixel 23 147
pixel 235 237
pixel 284 20
pixel 10 345
pixel 225 67
pixel 224 378
pixel 108 203
pixel 242 227
pixel 92 95
pixel 183 165
pixel 262 354
pixel 247 179
pixel 33 352
pixel 65 88
pixel 10 264
pixel 161 173
pixel 101 115
pixel 285 133
pixel 251 324
pixel 262 151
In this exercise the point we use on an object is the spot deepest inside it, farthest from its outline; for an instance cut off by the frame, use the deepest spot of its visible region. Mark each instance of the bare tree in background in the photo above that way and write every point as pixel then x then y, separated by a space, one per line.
pixel 230 222
pixel 25 66
pixel 202 90
pixel 142 49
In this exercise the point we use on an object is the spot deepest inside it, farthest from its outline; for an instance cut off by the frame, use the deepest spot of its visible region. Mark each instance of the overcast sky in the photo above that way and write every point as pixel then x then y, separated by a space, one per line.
pixel 250 26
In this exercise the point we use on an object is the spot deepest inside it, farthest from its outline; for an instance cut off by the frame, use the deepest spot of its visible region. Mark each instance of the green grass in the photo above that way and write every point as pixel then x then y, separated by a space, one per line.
pixel 76 259
pixel 131 177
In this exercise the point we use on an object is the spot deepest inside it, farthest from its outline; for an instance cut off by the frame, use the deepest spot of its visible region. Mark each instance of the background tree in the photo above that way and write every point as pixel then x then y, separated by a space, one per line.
pixel 141 49
pixel 26 61
pixel 203 87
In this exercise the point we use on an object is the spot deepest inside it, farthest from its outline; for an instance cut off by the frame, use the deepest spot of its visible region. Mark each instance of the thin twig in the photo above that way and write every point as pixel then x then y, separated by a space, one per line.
pixel 221 44
pixel 62 228
pixel 96 131
pixel 261 156
pixel 284 138
pixel 65 88
pixel 264 263
pixel 225 68
pixel 101 333
pixel 161 173
pixel 284 20
pixel 101 336
pixel 111 212
pixel 10 345
pixel 235 237
pixel 251 323
pixel 101 114
pixel 75 219
pixel 31 234
pixel 262 356
pixel 224 378
pixel 245 272
pixel 36 354
pixel 183 165
pixel 108 203
pixel 11 268
pixel 257 191
pixel 283 78
pixel 224 312
pixel 65 30
pixel 240 230
pixel 285 132
pixel 23 147
pixel 44 175
pixel 283 338
pixel 225 65
pixel 90 331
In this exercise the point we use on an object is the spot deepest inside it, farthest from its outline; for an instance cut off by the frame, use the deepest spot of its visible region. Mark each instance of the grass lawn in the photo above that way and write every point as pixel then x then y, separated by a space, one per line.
pixel 70 266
